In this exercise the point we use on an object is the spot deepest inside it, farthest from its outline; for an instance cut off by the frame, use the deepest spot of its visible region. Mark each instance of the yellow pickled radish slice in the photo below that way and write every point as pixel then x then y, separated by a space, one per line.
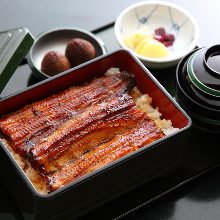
pixel 134 39
pixel 154 49
pixel 141 45
pixel 142 35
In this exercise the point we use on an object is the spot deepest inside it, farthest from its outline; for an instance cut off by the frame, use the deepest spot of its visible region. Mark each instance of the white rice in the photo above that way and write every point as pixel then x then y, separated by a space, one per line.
pixel 112 71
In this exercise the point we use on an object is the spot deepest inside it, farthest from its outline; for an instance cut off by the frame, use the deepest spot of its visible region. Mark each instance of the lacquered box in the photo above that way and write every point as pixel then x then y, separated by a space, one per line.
pixel 160 158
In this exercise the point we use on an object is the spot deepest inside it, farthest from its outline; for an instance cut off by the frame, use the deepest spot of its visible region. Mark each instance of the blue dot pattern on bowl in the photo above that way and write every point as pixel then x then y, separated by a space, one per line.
pixel 174 22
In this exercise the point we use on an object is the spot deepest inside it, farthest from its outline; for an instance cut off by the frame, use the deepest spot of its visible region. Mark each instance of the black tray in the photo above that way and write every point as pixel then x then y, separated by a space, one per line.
pixel 201 156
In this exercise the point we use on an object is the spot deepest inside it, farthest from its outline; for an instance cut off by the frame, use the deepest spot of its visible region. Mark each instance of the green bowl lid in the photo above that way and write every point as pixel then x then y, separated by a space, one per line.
pixel 205 78
pixel 14 46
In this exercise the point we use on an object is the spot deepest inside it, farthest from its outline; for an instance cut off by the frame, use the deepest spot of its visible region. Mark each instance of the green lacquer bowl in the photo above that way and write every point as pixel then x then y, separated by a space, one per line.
pixel 198 87
pixel 57 39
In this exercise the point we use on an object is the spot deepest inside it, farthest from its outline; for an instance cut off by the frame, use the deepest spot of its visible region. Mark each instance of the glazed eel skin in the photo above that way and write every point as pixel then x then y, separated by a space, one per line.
pixel 33 122
pixel 79 135
pixel 144 133
pixel 82 129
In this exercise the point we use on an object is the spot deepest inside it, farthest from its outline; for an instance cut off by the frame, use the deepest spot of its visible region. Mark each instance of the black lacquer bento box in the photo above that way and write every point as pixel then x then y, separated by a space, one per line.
pixel 160 158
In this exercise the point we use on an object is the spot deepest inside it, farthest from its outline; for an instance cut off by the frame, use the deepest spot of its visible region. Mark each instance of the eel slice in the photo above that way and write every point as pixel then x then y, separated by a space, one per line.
pixel 144 133
pixel 77 136
pixel 38 120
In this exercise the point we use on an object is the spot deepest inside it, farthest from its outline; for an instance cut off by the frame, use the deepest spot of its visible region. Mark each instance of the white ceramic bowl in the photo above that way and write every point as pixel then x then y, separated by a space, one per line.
pixel 156 14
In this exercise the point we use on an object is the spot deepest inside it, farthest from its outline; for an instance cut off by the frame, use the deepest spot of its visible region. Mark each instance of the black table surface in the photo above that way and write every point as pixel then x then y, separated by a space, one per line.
pixel 192 194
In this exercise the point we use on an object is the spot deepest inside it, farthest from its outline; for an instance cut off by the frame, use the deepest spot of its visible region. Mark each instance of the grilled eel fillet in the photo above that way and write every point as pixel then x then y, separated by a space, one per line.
pixel 38 120
pixel 144 133
pixel 89 129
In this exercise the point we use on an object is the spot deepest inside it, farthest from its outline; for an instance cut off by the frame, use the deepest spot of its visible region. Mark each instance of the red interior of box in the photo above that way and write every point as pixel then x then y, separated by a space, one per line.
pixel 122 60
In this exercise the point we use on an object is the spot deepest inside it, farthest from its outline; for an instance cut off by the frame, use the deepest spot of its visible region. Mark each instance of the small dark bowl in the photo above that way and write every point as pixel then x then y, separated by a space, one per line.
pixel 203 107
pixel 57 39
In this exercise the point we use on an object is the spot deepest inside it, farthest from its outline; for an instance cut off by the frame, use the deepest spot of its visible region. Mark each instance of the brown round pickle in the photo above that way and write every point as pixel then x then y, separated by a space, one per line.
pixel 79 51
pixel 54 62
